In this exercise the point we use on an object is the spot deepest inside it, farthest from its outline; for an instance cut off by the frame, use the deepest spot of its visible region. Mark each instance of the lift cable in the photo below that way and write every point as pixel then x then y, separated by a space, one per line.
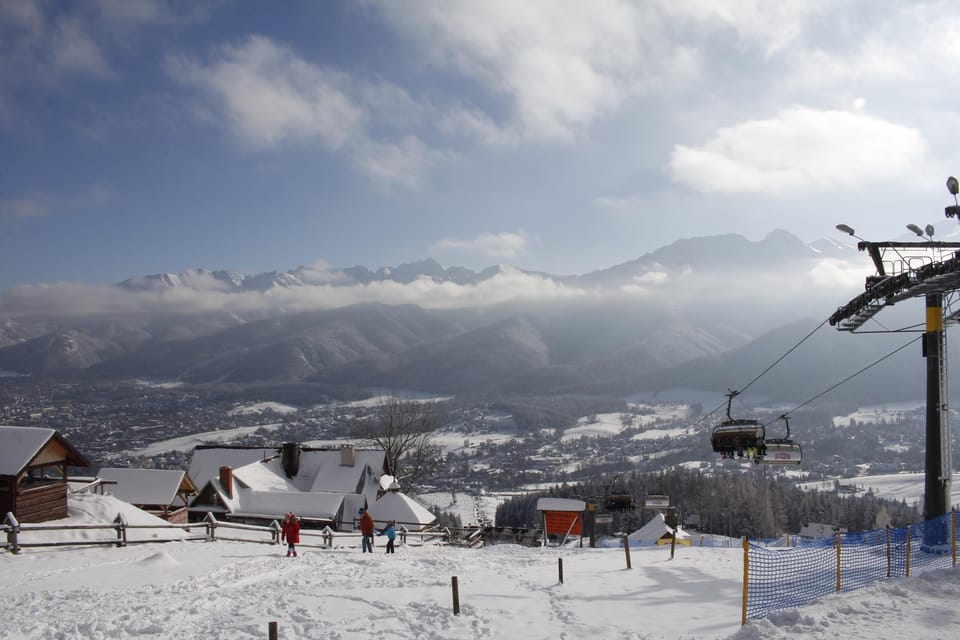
pixel 763 373
pixel 845 380
pixel 780 359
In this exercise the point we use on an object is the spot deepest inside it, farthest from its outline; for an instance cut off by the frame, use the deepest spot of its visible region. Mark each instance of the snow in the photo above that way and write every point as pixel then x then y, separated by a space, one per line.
pixel 894 486
pixel 20 446
pixel 260 407
pixel 232 590
pixel 190 442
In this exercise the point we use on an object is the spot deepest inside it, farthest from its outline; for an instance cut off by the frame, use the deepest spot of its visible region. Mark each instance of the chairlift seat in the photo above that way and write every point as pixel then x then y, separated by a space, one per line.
pixel 735 437
pixel 781 451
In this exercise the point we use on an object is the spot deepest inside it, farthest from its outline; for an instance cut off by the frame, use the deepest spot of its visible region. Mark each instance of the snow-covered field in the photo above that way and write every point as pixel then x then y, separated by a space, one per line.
pixel 233 590
pixel 894 486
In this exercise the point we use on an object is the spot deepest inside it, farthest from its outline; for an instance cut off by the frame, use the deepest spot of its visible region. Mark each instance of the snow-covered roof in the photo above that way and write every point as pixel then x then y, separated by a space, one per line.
pixel 143 486
pixel 319 470
pixel 656 529
pixel 246 502
pixel 560 504
pixel 19 446
pixel 403 509
pixel 206 462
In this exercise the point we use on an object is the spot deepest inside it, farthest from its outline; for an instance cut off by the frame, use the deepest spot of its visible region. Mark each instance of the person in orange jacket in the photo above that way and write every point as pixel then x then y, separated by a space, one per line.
pixel 290 531
pixel 366 528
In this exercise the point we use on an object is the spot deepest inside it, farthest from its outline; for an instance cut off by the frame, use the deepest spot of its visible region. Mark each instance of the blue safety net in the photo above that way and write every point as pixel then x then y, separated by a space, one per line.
pixel 788 577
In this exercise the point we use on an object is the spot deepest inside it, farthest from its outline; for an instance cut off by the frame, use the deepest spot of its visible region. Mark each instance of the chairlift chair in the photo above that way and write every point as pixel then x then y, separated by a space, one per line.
pixel 738 437
pixel 782 450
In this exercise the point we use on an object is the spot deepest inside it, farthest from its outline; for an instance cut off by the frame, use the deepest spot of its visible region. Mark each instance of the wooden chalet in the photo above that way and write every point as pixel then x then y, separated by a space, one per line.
pixel 162 492
pixel 33 472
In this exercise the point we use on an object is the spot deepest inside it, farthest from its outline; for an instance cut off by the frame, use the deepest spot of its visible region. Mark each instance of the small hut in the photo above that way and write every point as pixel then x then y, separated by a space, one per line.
pixel 165 493
pixel 33 473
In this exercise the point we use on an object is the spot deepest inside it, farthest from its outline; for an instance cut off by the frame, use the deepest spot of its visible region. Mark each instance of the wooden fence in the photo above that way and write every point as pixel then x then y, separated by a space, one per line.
pixel 22 536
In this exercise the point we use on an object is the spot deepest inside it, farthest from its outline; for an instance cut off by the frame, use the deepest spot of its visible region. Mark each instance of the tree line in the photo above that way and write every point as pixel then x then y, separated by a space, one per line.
pixel 753 504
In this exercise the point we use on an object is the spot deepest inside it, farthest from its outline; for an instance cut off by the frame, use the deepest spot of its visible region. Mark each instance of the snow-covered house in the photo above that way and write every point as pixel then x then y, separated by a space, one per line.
pixel 165 493
pixel 33 473
pixel 657 531
pixel 322 486
pixel 402 509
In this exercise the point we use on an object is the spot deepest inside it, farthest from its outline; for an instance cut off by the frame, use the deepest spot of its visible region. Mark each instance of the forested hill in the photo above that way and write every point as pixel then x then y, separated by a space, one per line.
pixel 753 504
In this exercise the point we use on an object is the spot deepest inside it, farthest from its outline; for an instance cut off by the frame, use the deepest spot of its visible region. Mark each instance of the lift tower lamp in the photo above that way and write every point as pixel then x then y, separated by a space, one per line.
pixel 953 211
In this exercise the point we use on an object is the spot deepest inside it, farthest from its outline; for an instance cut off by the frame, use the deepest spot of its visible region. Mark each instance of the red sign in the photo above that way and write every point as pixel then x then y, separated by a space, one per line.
pixel 562 522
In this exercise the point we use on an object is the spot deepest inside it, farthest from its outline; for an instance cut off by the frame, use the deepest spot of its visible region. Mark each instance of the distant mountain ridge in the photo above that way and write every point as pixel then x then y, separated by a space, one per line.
pixel 628 328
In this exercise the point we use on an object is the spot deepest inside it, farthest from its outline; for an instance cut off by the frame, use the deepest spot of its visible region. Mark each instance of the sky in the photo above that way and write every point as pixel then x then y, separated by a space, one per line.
pixel 155 136
pixel 228 589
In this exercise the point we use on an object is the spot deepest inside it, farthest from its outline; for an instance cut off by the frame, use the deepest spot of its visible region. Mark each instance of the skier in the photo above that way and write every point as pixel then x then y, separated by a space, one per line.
pixel 290 531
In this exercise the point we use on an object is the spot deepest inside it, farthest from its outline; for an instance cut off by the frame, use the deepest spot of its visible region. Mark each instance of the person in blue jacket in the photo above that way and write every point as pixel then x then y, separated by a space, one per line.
pixel 391 532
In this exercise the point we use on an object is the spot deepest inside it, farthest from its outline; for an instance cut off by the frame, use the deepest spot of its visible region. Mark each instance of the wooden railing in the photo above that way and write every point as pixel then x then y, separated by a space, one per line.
pixel 18 535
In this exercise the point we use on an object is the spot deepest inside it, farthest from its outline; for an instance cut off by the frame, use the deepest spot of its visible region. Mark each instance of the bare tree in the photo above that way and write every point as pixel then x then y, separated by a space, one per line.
pixel 404 430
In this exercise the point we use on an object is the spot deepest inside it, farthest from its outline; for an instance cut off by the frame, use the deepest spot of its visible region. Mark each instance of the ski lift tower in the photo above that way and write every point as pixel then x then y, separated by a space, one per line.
pixel 906 270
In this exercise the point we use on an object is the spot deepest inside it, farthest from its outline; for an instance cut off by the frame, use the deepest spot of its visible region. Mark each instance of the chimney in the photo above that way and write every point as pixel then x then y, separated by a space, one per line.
pixel 291 458
pixel 348 455
pixel 226 480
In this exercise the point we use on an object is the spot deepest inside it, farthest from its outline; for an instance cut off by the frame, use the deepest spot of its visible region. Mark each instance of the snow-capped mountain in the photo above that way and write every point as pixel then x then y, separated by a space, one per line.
pixel 422 325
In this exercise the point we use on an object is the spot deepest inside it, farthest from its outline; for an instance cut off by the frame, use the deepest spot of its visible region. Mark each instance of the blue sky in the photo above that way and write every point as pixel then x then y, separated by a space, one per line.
pixel 142 136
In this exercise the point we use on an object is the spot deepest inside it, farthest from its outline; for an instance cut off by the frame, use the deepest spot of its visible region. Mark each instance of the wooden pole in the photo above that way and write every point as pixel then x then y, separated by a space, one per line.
pixel 839 583
pixel 908 551
pixel 626 549
pixel 560 568
pixel 272 631
pixel 456 595
pixel 746 580
pixel 673 544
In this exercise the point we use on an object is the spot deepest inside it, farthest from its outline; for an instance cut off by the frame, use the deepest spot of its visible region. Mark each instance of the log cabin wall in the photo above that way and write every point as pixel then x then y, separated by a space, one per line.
pixel 42 503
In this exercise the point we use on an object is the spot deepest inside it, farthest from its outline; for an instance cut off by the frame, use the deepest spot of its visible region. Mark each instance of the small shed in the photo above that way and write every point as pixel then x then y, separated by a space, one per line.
pixel 165 493
pixel 657 531
pixel 33 472
pixel 561 517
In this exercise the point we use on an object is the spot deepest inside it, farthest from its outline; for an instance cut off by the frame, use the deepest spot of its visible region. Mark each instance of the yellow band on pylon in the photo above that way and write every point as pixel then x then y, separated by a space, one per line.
pixel 934 319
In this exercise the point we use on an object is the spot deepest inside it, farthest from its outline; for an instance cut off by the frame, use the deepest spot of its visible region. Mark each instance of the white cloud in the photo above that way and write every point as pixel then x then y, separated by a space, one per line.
pixel 270 96
pixel 772 26
pixel 494 245
pixel 560 64
pixel 802 149
pixel 400 163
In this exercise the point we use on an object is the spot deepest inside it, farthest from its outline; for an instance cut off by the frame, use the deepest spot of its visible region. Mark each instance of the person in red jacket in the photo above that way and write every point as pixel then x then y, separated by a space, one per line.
pixel 290 531
pixel 366 528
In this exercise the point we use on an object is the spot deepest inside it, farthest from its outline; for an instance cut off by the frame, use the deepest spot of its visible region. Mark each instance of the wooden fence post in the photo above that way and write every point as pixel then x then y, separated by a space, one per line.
pixel 839 583
pixel 275 531
pixel 908 551
pixel 560 568
pixel 211 526
pixel 746 580
pixel 889 555
pixel 13 532
pixel 328 536
pixel 272 630
pixel 626 549
pixel 456 595
pixel 121 523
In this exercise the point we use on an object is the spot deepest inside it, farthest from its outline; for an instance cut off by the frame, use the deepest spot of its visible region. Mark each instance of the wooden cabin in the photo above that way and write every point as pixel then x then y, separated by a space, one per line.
pixel 161 492
pixel 33 473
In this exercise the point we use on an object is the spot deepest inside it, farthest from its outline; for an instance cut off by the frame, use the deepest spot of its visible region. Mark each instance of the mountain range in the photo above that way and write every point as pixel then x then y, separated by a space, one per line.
pixel 706 313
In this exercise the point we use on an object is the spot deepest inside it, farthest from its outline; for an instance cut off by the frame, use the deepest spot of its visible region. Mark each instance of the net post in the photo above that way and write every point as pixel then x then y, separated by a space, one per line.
pixel 908 551
pixel 839 583
pixel 746 580
pixel 889 555
pixel 953 535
